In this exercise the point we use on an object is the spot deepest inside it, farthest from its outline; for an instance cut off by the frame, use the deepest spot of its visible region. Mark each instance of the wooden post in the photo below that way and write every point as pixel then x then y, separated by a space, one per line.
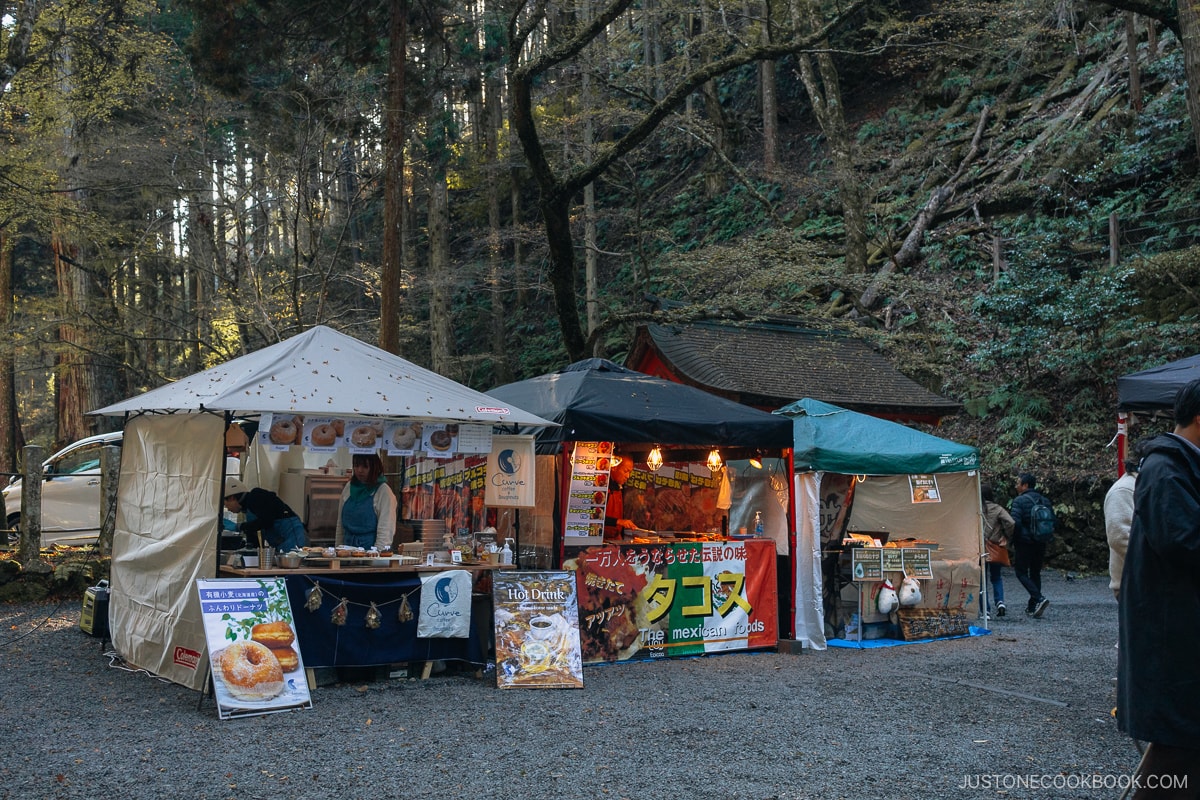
pixel 110 473
pixel 996 259
pixel 1114 239
pixel 30 540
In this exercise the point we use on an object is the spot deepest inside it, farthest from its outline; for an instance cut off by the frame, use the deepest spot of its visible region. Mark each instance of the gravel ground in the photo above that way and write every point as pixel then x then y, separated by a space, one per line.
pixel 1024 712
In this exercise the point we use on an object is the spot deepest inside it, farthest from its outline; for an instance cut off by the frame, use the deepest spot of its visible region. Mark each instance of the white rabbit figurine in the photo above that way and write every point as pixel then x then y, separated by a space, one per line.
pixel 886 600
pixel 910 592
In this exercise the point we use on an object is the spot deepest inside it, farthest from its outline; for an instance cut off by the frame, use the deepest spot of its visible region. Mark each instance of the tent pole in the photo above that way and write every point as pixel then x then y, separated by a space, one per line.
pixel 1122 433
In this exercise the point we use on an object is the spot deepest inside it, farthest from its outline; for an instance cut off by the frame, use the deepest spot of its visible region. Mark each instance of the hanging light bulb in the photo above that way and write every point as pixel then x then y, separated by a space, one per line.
pixel 756 461
pixel 654 460
pixel 714 460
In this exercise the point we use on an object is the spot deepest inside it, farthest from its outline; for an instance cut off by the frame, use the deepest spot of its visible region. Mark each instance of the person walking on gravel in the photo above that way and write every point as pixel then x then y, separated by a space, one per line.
pixel 1028 552
pixel 1158 686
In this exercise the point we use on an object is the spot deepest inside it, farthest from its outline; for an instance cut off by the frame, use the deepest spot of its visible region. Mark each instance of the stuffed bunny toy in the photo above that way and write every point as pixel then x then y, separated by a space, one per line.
pixel 886 599
pixel 910 592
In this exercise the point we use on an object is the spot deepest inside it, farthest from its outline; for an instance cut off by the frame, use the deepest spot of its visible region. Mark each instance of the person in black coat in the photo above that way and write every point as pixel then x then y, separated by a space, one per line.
pixel 1028 554
pixel 1158 674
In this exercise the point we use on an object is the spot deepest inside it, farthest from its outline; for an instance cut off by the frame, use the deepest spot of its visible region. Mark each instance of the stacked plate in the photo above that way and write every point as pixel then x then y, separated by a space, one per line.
pixel 430 532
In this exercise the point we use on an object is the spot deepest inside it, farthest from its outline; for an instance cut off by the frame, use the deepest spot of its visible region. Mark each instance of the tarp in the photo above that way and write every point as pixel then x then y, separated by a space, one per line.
pixel 835 439
pixel 323 372
pixel 599 400
pixel 1154 389
pixel 881 455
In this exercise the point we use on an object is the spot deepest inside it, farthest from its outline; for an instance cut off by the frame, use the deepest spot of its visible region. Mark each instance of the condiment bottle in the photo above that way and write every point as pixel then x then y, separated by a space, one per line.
pixel 506 555
pixel 758 523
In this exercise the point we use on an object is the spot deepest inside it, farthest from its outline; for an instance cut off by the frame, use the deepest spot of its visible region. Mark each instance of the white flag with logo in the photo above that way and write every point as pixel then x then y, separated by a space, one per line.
pixel 510 473
pixel 445 605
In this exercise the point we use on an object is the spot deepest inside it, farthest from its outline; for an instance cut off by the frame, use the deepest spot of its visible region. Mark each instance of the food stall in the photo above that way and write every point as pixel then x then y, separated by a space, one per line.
pixel 863 481
pixel 691 572
pixel 172 478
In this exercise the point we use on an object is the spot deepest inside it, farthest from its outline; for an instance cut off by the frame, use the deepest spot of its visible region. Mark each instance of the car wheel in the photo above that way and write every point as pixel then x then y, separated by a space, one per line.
pixel 12 534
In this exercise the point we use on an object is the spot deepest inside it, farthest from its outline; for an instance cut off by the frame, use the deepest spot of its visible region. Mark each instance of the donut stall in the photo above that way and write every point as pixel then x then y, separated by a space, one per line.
pixel 671 505
pixel 311 405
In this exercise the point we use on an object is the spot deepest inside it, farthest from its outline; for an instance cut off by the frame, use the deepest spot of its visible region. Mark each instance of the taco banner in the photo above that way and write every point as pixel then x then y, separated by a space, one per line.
pixel 682 599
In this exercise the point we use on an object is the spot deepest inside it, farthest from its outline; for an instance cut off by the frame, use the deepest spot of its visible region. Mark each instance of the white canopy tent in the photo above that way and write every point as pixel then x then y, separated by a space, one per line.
pixel 168 497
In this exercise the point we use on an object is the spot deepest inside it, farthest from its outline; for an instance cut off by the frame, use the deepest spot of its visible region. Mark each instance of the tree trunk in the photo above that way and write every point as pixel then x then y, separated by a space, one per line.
pixel 1189 38
pixel 11 440
pixel 391 274
pixel 1135 71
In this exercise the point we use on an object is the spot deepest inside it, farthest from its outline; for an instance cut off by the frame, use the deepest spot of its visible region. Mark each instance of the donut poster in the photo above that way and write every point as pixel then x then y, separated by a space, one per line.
pixel 280 431
pixel 254 658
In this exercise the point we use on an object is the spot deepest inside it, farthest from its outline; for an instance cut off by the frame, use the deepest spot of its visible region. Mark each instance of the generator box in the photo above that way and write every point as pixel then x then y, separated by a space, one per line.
pixel 93 619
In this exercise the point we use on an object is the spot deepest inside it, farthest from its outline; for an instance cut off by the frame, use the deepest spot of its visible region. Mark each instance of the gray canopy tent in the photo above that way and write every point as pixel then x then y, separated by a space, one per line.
pixel 172 470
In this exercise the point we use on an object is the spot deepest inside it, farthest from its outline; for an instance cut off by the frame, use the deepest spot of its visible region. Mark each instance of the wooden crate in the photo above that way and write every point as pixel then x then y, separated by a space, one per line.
pixel 932 623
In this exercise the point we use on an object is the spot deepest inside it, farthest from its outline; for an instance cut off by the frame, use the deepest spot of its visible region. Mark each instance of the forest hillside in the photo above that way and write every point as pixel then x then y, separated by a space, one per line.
pixel 1001 197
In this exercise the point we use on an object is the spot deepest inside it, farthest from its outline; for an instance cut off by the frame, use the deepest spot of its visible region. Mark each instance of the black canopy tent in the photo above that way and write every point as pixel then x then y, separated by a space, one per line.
pixel 1154 389
pixel 599 400
pixel 1150 391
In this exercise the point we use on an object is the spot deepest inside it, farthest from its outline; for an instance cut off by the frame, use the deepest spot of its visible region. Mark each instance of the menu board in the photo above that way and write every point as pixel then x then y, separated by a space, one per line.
pixel 867 563
pixel 475 438
pixel 402 438
pixel 537 630
pixel 587 493
pixel 893 559
pixel 917 563
pixel 323 434
pixel 248 620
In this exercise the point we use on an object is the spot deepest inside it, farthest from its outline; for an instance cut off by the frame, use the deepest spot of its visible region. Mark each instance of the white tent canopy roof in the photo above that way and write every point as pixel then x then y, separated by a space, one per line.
pixel 323 372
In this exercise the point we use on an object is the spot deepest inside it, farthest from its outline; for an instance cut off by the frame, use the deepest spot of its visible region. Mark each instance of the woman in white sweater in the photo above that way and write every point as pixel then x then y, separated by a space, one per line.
pixel 367 516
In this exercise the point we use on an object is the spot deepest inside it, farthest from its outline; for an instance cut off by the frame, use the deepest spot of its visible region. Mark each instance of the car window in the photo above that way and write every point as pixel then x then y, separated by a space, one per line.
pixel 78 460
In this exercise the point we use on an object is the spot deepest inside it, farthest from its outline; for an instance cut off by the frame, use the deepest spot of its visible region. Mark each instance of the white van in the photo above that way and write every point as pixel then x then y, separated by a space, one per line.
pixel 70 493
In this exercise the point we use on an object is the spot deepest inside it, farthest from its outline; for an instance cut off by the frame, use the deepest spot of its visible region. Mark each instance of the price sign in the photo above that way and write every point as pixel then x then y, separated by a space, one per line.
pixel 866 563
pixel 893 561
pixel 917 563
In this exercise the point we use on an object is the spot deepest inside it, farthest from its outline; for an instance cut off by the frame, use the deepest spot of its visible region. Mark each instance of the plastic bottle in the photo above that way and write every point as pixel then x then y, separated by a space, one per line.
pixel 506 555
pixel 758 523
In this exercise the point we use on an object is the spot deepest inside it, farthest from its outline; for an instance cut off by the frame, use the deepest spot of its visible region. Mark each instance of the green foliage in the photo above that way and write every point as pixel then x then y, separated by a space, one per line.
pixel 276 609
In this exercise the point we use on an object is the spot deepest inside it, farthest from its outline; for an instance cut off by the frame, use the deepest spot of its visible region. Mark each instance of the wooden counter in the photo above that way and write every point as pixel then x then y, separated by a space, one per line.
pixel 348 570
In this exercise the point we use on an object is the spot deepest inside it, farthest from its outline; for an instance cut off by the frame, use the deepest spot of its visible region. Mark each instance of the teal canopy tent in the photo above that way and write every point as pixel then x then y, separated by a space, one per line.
pixel 859 473
pixel 836 439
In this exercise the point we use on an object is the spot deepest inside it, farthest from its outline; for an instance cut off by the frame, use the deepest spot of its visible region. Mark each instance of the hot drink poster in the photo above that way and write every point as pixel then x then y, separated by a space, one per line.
pixel 688 598
pixel 537 630
pixel 587 491
pixel 674 499
pixel 451 490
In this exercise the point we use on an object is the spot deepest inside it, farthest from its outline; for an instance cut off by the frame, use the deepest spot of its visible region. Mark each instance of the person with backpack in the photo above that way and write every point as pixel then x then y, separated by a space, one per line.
pixel 1033 528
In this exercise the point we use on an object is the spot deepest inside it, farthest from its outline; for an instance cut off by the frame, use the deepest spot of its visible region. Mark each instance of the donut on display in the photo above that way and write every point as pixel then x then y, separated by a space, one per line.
pixel 363 436
pixel 323 435
pixel 251 671
pixel 289 659
pixel 273 634
pixel 283 431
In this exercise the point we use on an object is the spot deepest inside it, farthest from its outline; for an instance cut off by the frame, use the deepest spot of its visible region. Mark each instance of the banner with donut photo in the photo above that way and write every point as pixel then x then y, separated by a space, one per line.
pixel 363 435
pixel 279 431
pixel 323 434
pixel 253 655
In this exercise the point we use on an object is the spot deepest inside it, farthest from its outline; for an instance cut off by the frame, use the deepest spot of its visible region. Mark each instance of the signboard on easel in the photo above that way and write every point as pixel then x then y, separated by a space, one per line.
pixel 537 630
pixel 253 656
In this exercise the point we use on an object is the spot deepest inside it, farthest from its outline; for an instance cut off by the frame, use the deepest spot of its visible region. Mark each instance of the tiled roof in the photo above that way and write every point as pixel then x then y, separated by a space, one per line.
pixel 770 364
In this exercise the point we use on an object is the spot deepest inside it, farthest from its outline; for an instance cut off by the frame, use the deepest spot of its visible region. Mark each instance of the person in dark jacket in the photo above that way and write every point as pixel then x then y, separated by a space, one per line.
pixel 1158 661
pixel 1028 555
pixel 265 512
